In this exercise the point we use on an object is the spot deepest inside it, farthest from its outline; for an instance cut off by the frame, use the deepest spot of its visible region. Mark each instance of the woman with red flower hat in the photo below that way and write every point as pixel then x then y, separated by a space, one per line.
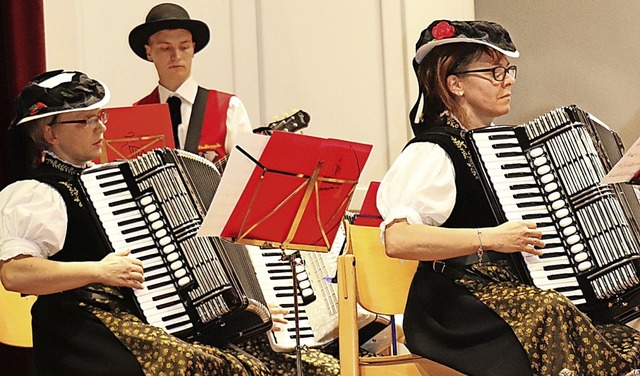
pixel 466 309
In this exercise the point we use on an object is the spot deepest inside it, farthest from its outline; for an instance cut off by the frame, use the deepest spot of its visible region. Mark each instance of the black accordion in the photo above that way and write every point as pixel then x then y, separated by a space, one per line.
pixel 548 171
pixel 196 288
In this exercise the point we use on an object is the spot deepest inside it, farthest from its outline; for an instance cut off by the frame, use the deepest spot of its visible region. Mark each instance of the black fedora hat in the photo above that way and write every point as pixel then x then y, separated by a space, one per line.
pixel 167 16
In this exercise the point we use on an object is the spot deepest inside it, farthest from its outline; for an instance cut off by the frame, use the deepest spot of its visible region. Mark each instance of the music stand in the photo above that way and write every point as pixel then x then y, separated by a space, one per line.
pixel 289 191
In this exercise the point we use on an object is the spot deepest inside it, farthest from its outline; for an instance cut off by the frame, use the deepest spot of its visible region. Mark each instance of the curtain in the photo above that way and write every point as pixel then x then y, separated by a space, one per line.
pixel 22 57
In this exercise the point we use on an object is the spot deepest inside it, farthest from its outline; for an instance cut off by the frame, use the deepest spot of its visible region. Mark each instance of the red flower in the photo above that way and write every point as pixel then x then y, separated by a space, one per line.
pixel 442 30
pixel 36 108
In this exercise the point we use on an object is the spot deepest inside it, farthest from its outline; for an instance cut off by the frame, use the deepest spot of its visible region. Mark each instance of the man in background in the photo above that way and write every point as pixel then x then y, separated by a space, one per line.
pixel 204 121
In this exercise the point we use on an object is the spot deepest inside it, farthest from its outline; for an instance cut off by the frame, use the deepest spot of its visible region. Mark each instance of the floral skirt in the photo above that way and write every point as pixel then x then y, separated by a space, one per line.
pixel 160 353
pixel 553 332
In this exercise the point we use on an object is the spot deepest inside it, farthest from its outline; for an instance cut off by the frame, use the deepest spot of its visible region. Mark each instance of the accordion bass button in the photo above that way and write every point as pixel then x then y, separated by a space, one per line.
pixel 573 239
pixel 584 266
pixel 146 200
pixel 551 187
pixel 553 196
pixel 168 249
pixel 564 222
pixel 157 225
pixel 547 178
pixel 173 256
pixel 150 208
pixel 562 213
pixel 580 257
pixel 161 233
pixel 536 152
pixel 184 281
pixel 176 265
pixel 577 248
pixel 153 216
pixel 539 161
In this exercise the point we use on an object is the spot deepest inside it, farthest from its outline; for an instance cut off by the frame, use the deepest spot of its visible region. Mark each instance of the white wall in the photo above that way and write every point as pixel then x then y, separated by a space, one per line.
pixel 347 63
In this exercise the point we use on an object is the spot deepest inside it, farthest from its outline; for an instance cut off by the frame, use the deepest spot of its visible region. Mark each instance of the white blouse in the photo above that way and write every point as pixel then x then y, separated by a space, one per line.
pixel 33 220
pixel 419 187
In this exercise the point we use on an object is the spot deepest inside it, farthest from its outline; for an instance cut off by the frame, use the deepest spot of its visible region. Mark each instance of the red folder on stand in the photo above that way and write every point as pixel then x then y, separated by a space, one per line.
pixel 134 130
pixel 369 214
pixel 286 191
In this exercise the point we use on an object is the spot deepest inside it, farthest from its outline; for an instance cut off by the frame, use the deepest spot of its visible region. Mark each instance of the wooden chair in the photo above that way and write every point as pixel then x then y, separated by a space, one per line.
pixel 380 284
pixel 15 318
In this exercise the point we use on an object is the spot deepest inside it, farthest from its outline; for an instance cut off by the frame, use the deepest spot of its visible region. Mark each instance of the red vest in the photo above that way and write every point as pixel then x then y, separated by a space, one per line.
pixel 214 126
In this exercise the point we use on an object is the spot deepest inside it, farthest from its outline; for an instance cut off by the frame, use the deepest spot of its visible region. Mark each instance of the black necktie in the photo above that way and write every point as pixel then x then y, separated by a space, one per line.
pixel 176 116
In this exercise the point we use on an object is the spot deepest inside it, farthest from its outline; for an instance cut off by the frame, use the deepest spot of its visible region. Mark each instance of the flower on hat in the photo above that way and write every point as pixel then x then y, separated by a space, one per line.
pixel 443 30
pixel 36 108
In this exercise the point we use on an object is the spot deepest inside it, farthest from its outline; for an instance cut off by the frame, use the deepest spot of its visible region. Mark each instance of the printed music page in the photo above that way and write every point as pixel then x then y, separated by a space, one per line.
pixel 235 179
pixel 627 170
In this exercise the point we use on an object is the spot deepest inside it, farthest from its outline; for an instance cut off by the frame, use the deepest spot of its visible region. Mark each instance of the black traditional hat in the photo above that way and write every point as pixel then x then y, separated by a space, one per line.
pixel 482 32
pixel 167 16
pixel 57 92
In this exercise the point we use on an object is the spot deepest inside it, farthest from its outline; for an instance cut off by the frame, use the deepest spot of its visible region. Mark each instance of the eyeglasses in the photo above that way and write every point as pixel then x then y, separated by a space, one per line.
pixel 101 118
pixel 499 72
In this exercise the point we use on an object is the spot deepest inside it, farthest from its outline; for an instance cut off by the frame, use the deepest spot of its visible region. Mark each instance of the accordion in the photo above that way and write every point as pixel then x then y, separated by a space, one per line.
pixel 548 171
pixel 196 288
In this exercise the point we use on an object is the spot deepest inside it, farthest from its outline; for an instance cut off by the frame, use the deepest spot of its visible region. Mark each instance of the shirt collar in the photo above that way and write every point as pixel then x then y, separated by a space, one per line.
pixel 187 91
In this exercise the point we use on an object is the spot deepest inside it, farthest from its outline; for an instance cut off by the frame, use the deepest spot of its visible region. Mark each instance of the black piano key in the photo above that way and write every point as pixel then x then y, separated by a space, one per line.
pixel 125 210
pixel 549 236
pixel 110 183
pixel 534 216
pixel 552 255
pixel 515 187
pixel 530 204
pixel 509 154
pixel 510 166
pixel 526 195
pixel 169 304
pixel 116 191
pixel 178 324
pixel 556 267
pixel 120 202
pixel 158 285
pixel 173 316
pixel 505 145
pixel 552 277
pixel 163 296
pixel 501 136
pixel 134 229
pixel 510 175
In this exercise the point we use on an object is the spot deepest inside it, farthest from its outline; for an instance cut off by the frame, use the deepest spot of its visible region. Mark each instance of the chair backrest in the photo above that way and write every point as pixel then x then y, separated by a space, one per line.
pixel 383 282
pixel 15 318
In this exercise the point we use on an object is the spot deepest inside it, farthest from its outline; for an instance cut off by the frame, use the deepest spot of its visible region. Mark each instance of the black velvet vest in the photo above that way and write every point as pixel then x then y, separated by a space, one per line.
pixel 472 208
pixel 83 242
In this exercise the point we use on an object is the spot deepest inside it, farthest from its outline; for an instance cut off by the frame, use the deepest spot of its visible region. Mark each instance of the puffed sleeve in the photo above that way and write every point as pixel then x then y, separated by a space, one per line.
pixel 33 220
pixel 237 121
pixel 419 186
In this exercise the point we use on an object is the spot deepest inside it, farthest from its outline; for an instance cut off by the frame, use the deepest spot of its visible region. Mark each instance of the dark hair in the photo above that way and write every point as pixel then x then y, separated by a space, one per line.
pixel 433 71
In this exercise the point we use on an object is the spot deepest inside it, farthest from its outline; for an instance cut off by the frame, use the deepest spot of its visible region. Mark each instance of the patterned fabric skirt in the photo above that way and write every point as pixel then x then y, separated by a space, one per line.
pixel 314 362
pixel 162 354
pixel 553 332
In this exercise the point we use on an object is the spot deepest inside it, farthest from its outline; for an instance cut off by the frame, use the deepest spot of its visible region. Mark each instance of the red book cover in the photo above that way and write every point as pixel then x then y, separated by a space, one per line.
pixel 297 191
pixel 369 214
pixel 135 130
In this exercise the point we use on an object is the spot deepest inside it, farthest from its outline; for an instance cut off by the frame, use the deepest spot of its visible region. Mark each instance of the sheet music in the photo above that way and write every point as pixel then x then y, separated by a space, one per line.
pixel 627 167
pixel 236 176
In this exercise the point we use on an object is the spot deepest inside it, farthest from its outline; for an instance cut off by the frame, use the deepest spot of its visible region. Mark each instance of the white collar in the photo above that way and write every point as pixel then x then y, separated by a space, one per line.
pixel 187 91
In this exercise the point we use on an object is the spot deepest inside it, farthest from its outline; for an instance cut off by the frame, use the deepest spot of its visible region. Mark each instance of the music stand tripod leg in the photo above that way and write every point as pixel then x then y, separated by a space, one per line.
pixel 296 310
